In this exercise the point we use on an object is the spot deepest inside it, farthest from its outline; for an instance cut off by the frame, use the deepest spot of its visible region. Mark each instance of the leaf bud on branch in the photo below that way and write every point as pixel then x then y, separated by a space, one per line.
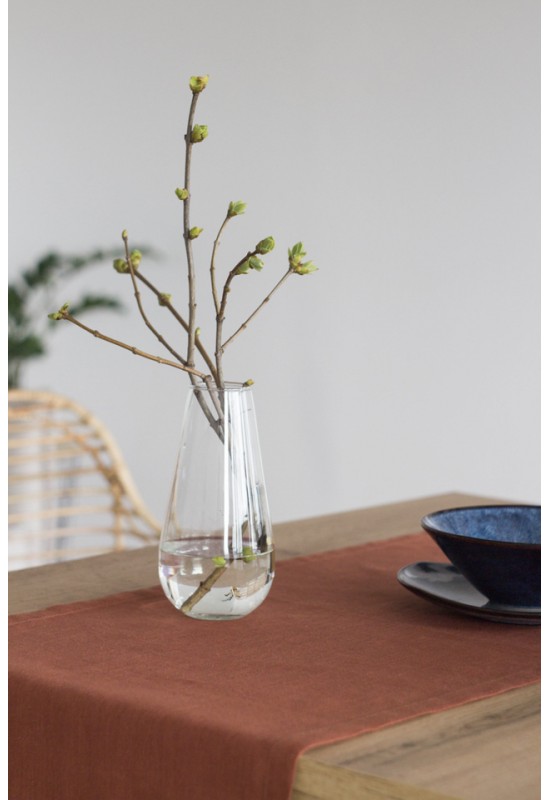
pixel 61 313
pixel 182 194
pixel 238 207
pixel 199 133
pixel 121 265
pixel 135 258
pixel 248 553
pixel 194 233
pixel 197 83
pixel 253 262
pixel 296 263
pixel 265 246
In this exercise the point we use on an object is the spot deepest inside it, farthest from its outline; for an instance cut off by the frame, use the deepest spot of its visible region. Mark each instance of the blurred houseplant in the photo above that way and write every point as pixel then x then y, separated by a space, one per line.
pixel 29 297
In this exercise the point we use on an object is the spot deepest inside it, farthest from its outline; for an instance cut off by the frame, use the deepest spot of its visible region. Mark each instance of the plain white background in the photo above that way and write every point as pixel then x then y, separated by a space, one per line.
pixel 398 139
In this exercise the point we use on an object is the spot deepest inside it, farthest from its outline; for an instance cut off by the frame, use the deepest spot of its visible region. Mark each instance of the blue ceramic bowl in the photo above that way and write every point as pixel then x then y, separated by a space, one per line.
pixel 496 548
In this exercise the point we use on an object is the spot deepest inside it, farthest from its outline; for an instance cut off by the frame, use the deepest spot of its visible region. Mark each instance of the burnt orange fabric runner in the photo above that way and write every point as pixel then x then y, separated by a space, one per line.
pixel 123 698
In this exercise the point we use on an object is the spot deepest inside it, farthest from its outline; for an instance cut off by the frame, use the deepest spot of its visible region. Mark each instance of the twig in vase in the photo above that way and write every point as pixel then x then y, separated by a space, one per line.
pixel 63 313
pixel 187 231
pixel 203 588
pixel 213 375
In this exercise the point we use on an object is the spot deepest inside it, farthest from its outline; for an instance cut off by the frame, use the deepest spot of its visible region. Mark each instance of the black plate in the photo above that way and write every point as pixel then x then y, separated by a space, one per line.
pixel 445 585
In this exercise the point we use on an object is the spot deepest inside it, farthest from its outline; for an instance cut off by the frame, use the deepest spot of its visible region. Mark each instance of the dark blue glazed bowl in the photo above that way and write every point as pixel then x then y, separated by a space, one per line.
pixel 496 548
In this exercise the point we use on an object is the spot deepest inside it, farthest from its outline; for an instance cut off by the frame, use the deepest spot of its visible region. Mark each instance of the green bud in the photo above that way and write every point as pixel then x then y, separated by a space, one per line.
pixel 120 265
pixel 305 269
pixel 219 561
pixel 164 299
pixel 124 234
pixel 252 262
pixel 249 382
pixel 199 133
pixel 248 554
pixel 266 245
pixel 135 258
pixel 60 313
pixel 255 263
pixel 182 194
pixel 194 232
pixel 197 83
pixel 295 260
pixel 295 254
pixel 238 207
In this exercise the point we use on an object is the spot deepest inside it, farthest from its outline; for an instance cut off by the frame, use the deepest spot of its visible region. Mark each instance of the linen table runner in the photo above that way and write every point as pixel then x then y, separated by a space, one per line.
pixel 124 698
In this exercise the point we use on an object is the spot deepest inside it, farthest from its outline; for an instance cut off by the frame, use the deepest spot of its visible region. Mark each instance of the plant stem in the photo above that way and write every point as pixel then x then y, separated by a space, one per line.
pixel 257 310
pixel 134 350
pixel 188 245
pixel 220 316
pixel 165 302
pixel 202 589
pixel 213 266
pixel 144 316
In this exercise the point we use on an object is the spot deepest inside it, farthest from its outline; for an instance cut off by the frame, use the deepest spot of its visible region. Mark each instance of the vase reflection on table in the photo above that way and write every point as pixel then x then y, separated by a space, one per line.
pixel 216 549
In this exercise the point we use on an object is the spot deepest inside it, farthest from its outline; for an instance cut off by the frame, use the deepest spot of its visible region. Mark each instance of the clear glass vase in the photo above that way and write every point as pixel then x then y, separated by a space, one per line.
pixel 216 550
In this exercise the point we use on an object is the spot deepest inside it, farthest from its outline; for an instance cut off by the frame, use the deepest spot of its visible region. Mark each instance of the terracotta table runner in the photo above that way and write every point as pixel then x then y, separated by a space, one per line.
pixel 123 698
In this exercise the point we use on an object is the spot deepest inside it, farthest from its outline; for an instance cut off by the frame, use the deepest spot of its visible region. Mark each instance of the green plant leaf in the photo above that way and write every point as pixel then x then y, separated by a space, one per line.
pixel 305 268
pixel 16 306
pixel 235 208
pixel 41 274
pixel 255 263
pixel 25 347
pixel 93 301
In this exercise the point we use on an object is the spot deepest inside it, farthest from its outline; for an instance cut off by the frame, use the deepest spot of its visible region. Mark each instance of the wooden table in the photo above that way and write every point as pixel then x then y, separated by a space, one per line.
pixel 485 750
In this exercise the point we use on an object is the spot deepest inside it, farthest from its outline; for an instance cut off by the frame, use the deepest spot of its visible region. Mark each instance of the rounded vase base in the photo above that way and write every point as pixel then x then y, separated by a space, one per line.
pixel 214 617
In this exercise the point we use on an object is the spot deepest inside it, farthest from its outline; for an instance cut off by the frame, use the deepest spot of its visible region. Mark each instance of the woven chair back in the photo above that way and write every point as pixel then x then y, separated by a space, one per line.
pixel 70 492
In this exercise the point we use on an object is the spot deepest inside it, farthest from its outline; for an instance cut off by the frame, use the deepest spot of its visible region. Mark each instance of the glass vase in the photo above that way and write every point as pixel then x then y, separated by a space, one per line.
pixel 216 550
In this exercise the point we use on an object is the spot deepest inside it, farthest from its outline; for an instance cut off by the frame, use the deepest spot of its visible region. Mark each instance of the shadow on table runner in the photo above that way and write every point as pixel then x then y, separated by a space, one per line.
pixel 124 698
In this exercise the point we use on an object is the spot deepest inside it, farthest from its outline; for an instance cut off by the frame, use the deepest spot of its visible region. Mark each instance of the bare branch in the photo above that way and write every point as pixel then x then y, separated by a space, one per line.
pixel 221 314
pixel 164 301
pixel 257 310
pixel 213 265
pixel 145 318
pixel 188 245
pixel 134 350
pixel 203 588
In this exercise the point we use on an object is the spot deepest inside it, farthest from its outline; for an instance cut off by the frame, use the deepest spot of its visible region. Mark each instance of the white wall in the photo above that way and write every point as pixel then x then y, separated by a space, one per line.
pixel 399 139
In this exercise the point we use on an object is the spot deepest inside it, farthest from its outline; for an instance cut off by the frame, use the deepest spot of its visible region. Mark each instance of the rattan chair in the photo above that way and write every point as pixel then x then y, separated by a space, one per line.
pixel 70 492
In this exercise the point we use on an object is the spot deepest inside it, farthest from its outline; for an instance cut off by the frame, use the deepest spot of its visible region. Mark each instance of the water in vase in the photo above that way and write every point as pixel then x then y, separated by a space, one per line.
pixel 206 585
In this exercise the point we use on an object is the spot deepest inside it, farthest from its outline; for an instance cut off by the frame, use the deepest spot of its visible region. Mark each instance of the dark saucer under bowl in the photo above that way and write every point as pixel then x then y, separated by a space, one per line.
pixel 496 548
pixel 444 585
